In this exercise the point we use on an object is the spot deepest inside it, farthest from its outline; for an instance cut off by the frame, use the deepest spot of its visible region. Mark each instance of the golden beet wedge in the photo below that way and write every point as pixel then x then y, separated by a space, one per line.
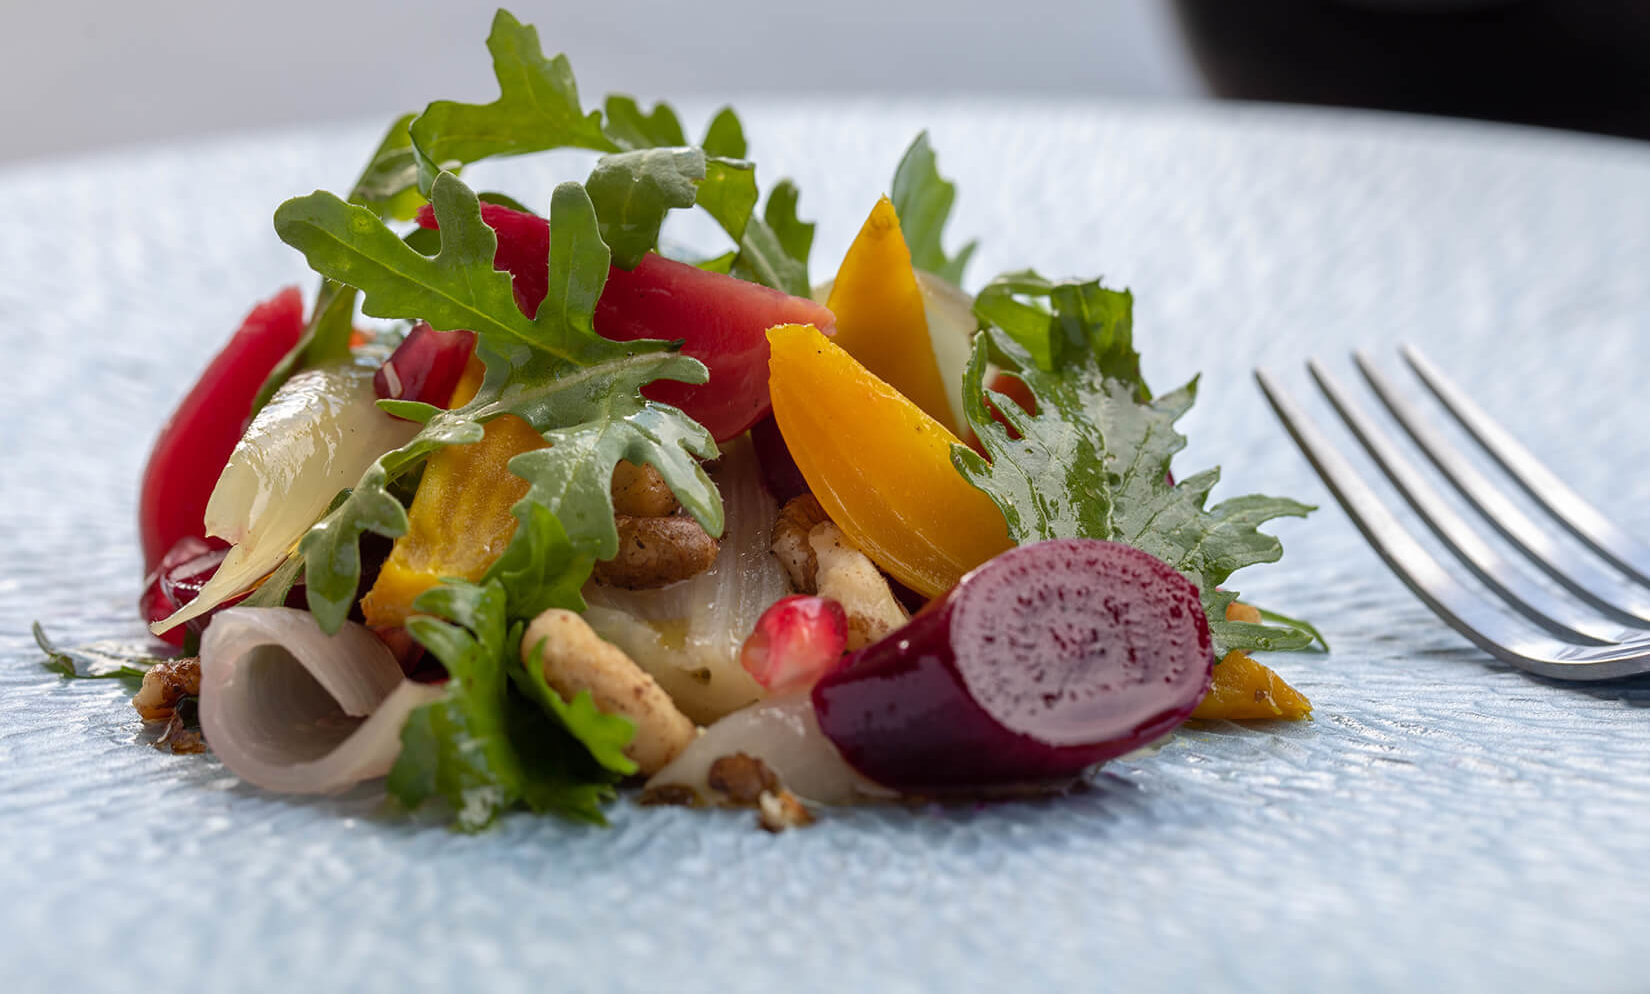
pixel 879 465
pixel 1245 690
pixel 880 318
pixel 460 521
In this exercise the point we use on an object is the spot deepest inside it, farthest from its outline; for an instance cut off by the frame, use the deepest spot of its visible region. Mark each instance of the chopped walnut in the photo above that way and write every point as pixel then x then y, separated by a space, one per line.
pixel 743 778
pixel 847 576
pixel 777 811
pixel 656 552
pixel 790 540
pixel 164 685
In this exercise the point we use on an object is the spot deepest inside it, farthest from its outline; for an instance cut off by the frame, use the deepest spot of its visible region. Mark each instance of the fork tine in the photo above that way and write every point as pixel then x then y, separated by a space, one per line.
pixel 1468 614
pixel 1568 566
pixel 1495 570
pixel 1568 507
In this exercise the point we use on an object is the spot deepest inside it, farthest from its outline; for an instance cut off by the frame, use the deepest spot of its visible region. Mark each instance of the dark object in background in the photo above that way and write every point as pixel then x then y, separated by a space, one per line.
pixel 1582 64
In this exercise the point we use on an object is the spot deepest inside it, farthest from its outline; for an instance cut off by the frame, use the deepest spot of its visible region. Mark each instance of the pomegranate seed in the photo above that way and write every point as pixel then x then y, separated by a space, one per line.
pixel 796 641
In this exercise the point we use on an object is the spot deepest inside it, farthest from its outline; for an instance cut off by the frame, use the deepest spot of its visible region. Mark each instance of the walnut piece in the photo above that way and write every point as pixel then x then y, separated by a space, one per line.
pixel 742 777
pixel 164 685
pixel 656 552
pixel 797 518
pixel 641 491
pixel 779 810
pixel 847 576
pixel 575 658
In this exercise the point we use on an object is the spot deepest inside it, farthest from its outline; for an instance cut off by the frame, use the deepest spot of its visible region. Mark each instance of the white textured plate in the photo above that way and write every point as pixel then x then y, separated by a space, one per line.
pixel 1444 824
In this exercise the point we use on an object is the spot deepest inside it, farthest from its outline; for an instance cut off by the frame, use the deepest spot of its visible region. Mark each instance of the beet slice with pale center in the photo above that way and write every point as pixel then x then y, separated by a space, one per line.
pixel 1046 660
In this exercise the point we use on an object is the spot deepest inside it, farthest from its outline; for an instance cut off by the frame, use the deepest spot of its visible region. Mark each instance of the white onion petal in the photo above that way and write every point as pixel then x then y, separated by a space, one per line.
pixel 315 437
pixel 784 734
pixel 294 710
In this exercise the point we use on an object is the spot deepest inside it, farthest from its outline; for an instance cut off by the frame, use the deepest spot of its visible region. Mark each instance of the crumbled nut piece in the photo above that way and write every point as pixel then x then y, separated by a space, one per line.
pixel 179 739
pixel 656 552
pixel 779 810
pixel 1239 611
pixel 164 685
pixel 847 576
pixel 790 540
pixel 641 491
pixel 743 778
pixel 575 659
pixel 672 794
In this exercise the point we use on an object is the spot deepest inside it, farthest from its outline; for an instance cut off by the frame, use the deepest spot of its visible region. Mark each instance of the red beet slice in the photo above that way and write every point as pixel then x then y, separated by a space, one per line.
pixel 1044 661
pixel 426 366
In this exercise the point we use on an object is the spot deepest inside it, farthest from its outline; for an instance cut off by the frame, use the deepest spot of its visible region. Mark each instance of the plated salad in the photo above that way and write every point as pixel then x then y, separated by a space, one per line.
pixel 521 507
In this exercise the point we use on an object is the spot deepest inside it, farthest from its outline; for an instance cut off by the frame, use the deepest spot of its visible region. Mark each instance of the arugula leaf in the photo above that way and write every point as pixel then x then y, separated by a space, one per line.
pixel 457 748
pixel 1083 322
pixel 922 199
pixel 389 182
pixel 1093 462
pixel 794 236
pixel 579 390
pixel 458 286
pixel 540 569
pixel 484 749
pixel 632 192
pixel 537 110
pixel 629 128
pixel 725 136
pixel 728 194
pixel 84 665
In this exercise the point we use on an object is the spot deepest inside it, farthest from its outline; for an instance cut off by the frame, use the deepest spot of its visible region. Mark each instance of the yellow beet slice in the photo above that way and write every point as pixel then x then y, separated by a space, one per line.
pixel 460 521
pixel 880 316
pixel 878 464
pixel 1245 690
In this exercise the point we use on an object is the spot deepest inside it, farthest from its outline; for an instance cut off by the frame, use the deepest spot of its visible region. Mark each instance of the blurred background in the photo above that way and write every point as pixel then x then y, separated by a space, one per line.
pixel 88 75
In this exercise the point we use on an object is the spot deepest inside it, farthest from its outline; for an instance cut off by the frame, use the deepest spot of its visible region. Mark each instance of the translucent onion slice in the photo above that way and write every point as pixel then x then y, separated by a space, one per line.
pixel 315 437
pixel 688 635
pixel 951 327
pixel 294 710
pixel 783 733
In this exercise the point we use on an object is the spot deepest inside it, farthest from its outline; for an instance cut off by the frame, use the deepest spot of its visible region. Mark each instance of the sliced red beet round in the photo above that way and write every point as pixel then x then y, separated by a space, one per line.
pixel 1044 661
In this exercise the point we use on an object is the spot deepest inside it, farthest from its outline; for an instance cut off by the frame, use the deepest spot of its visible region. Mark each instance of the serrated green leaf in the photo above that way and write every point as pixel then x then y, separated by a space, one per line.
pixel 795 237
pixel 1083 322
pixel 922 198
pixel 629 128
pixel 389 183
pixel 579 390
pixel 458 748
pixel 540 569
pixel 91 663
pixel 1093 461
pixel 725 136
pixel 458 288
pixel 483 747
pixel 728 194
pixel 633 191
pixel 537 110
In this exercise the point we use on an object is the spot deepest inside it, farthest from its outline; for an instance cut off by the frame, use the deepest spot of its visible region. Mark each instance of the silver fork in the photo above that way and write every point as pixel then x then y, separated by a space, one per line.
pixel 1609 638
